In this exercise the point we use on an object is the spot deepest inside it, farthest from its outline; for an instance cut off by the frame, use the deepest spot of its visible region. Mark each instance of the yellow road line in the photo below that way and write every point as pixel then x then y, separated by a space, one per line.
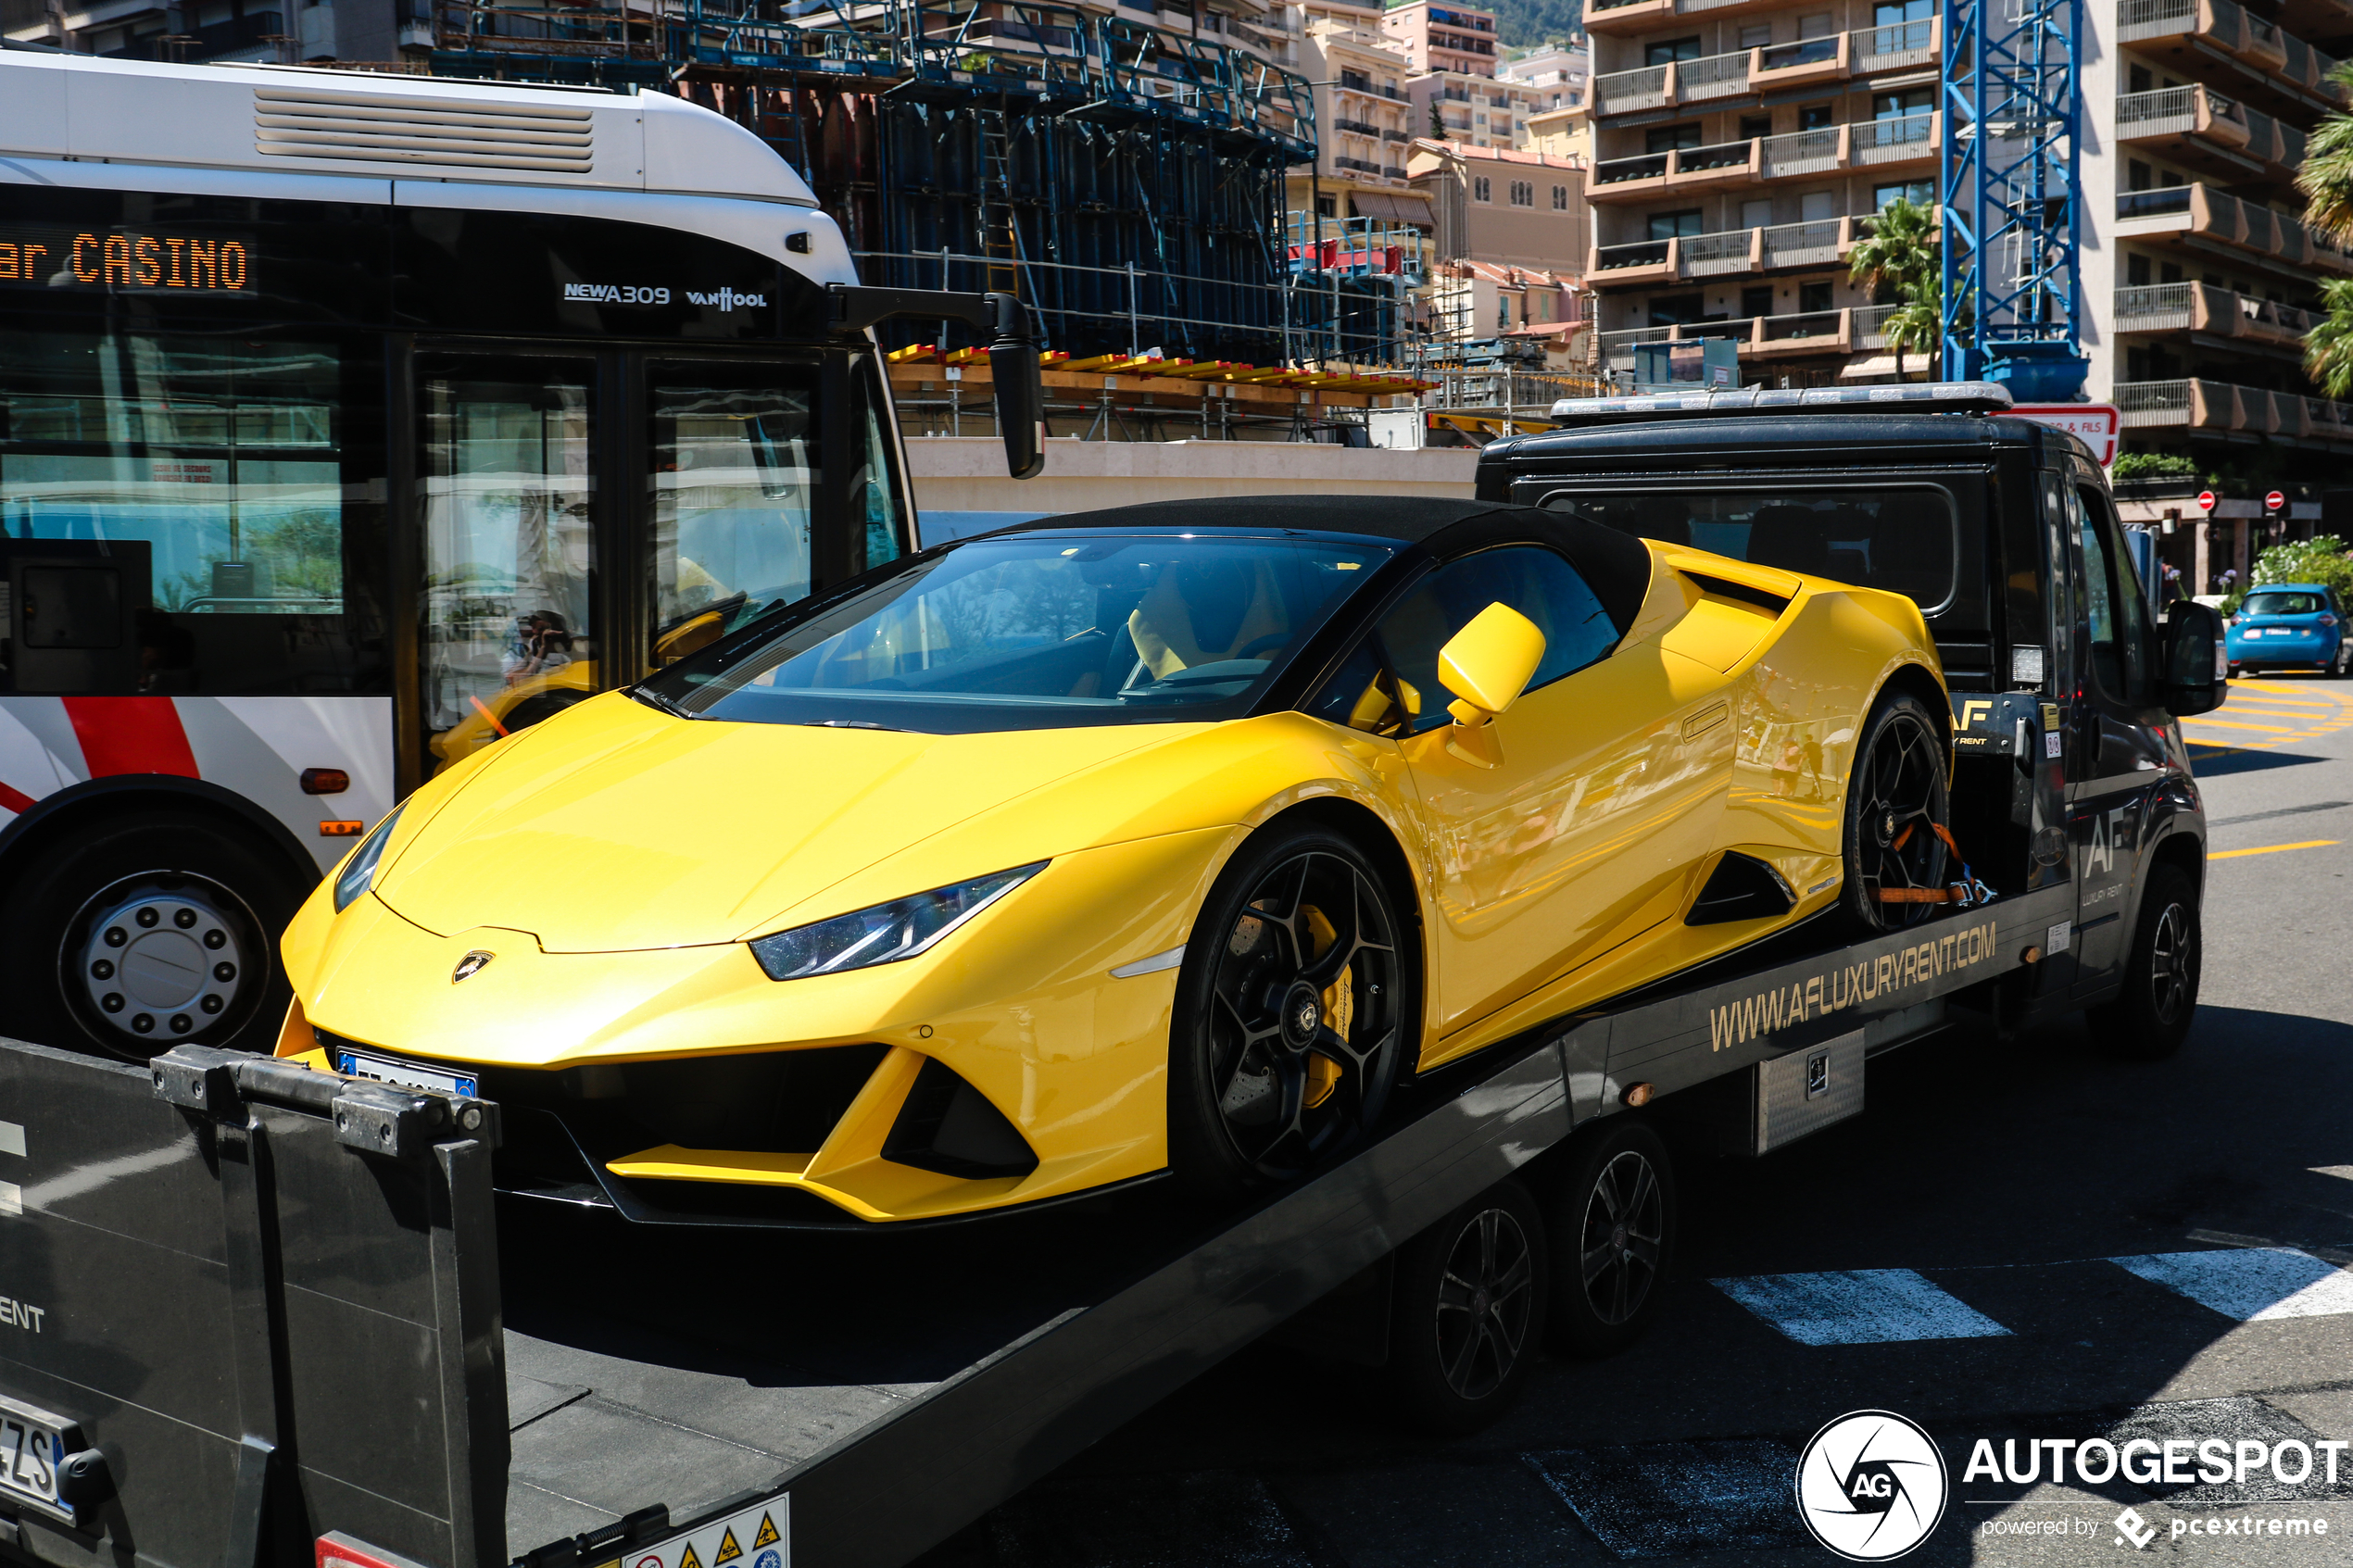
pixel 2271 848
pixel 2319 699
pixel 2226 724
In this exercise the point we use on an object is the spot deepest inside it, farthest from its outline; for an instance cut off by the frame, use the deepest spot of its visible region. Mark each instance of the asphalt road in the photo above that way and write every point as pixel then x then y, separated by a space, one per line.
pixel 1970 1222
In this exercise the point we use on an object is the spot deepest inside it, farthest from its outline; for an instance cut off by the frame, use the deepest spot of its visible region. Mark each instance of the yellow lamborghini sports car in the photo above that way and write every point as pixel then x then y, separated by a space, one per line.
pixel 1163 838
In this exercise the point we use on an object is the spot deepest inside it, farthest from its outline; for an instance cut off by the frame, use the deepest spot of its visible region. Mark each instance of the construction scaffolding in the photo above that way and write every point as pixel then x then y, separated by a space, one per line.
pixel 1127 180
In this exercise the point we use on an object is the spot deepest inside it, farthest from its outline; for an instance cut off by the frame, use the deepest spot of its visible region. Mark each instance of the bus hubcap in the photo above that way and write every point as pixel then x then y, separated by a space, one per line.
pixel 161 959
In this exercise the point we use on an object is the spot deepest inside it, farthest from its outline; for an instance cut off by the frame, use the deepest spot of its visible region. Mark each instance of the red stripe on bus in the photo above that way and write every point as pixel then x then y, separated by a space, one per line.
pixel 130 735
pixel 15 800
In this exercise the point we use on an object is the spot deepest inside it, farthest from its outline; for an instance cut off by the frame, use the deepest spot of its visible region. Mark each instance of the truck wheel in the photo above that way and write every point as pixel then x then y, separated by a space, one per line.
pixel 1612 1237
pixel 1469 1311
pixel 134 936
pixel 1894 806
pixel 1294 1008
pixel 2150 1018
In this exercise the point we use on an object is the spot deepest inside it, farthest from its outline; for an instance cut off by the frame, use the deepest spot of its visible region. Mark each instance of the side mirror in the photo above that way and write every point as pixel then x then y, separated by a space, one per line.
pixel 2197 662
pixel 1487 665
pixel 1021 394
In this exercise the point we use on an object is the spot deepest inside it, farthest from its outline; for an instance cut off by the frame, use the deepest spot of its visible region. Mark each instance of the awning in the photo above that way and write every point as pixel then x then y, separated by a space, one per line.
pixel 1880 365
pixel 1400 206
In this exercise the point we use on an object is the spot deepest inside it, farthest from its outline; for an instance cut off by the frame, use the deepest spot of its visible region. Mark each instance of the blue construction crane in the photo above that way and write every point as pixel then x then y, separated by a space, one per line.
pixel 2011 199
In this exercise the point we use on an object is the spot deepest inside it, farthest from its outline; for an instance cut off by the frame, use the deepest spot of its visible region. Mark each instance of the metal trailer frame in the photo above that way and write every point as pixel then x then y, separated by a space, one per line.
pixel 329 1335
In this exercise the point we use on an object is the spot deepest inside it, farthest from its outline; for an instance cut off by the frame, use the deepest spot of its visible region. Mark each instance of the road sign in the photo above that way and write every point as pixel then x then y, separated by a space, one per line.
pixel 2274 501
pixel 2206 500
pixel 2095 423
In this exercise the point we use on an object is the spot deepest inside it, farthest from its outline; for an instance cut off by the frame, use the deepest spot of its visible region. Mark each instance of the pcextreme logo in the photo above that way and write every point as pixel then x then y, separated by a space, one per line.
pixel 1872 1485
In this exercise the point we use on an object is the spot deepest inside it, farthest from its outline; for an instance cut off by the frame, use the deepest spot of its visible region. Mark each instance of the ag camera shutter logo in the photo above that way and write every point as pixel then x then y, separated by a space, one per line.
pixel 1872 1485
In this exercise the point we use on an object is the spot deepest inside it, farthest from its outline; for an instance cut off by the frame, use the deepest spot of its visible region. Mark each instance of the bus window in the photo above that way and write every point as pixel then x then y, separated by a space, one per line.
pixel 181 516
pixel 734 468
pixel 507 488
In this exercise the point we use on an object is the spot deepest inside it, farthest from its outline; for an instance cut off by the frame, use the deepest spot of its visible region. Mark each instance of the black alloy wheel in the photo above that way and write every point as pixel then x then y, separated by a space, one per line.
pixel 1896 812
pixel 1470 1305
pixel 1612 1237
pixel 2150 1016
pixel 1294 1014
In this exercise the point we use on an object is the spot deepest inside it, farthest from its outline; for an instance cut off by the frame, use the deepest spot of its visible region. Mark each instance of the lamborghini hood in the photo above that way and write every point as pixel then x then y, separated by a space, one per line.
pixel 618 828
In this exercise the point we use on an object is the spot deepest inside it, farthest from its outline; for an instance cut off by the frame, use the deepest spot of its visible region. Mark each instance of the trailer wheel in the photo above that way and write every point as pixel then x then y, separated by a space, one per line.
pixel 1294 1008
pixel 1470 1309
pixel 2150 1018
pixel 134 936
pixel 1896 815
pixel 1613 1237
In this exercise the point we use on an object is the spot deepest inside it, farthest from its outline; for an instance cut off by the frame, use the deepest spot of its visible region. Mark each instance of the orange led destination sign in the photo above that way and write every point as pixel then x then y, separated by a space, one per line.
pixel 124 261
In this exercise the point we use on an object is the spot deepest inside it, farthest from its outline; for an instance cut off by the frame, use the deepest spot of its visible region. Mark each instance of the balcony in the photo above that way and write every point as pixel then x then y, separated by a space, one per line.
pixel 1621 16
pixel 1874 144
pixel 2202 307
pixel 2188 35
pixel 2211 405
pixel 2206 213
pixel 1807 335
pixel 2197 126
pixel 1745 73
pixel 1820 243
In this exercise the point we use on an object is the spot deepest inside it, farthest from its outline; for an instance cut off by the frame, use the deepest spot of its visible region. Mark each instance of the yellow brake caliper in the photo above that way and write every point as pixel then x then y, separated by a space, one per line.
pixel 1340 1011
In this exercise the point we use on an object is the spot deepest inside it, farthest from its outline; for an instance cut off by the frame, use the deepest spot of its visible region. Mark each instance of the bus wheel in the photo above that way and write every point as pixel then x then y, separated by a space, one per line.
pixel 1613 1237
pixel 1470 1309
pixel 144 935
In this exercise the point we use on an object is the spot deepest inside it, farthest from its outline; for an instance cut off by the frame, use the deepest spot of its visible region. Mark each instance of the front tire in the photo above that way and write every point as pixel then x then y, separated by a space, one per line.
pixel 130 937
pixel 1296 1005
pixel 1470 1310
pixel 1896 816
pixel 2150 1018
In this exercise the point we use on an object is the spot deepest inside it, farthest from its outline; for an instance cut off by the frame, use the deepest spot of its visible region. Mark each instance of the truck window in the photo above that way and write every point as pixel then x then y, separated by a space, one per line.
pixel 1899 539
pixel 2109 603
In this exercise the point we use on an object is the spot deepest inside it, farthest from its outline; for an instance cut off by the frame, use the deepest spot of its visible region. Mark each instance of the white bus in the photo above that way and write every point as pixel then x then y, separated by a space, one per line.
pixel 349 423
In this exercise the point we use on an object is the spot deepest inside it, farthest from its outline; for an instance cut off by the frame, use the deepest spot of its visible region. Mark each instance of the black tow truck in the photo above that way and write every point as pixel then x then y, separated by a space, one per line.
pixel 251 1314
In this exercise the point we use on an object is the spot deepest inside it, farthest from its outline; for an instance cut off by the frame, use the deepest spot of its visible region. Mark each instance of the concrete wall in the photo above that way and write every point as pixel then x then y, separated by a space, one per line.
pixel 960 486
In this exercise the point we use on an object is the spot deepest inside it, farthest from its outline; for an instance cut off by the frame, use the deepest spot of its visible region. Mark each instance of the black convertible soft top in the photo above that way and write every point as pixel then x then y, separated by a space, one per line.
pixel 1617 566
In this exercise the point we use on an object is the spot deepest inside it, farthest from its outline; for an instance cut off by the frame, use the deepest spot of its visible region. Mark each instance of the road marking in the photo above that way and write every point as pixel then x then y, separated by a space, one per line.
pixel 2271 848
pixel 2226 724
pixel 1674 1498
pixel 2345 1172
pixel 2253 1283
pixel 1858 1307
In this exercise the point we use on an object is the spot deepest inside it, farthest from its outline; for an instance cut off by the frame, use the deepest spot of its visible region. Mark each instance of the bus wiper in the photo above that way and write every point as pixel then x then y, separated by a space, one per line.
pixel 653 698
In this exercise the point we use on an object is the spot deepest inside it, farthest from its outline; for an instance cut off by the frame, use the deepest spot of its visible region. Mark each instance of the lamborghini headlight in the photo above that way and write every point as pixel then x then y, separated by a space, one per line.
pixel 360 870
pixel 886 933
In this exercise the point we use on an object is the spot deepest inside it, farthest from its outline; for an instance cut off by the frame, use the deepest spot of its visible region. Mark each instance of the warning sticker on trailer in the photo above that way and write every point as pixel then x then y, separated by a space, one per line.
pixel 768 1524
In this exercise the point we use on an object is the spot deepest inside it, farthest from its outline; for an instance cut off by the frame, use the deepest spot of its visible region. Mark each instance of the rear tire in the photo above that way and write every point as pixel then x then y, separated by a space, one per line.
pixel 1298 1000
pixel 1470 1309
pixel 1895 804
pixel 2338 661
pixel 2151 1016
pixel 197 905
pixel 1612 1239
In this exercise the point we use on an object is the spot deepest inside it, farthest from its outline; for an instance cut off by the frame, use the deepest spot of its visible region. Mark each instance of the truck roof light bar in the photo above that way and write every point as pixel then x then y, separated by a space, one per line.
pixel 1931 397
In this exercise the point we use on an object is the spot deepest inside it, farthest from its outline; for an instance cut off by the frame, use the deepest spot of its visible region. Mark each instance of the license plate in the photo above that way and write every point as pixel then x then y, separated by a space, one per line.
pixel 30 1444
pixel 408 1075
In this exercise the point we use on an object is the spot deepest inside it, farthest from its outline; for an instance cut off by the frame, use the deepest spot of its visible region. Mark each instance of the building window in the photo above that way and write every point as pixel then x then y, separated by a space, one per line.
pixel 1674 309
pixel 1560 199
pixel 1665 138
pixel 1813 297
pixel 1755 125
pixel 1757 37
pixel 1815 206
pixel 1920 192
pixel 1815 117
pixel 1898 106
pixel 1888 13
pixel 1674 225
pixel 1327 206
pixel 1757 299
pixel 1481 190
pixel 1668 51
pixel 1523 194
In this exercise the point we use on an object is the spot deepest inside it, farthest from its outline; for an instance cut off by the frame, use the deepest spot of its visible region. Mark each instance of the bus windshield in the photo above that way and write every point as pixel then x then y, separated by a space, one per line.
pixel 1041 631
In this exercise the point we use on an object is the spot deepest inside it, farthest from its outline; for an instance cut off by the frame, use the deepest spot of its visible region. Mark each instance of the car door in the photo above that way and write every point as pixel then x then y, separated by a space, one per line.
pixel 1585 829
pixel 2117 757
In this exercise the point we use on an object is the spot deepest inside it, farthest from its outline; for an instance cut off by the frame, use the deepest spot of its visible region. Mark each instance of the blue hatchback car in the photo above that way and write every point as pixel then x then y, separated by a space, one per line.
pixel 2297 624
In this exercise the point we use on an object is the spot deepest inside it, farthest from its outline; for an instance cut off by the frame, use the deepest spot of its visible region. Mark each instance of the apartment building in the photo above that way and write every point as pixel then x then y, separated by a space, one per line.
pixel 1443 38
pixel 1494 204
pixel 2201 280
pixel 1478 110
pixel 1363 118
pixel 227 32
pixel 1561 72
pixel 1737 150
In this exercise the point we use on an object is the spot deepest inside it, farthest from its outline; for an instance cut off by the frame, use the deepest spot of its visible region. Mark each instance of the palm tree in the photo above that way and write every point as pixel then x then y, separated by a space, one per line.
pixel 1919 322
pixel 2326 178
pixel 2328 347
pixel 1900 252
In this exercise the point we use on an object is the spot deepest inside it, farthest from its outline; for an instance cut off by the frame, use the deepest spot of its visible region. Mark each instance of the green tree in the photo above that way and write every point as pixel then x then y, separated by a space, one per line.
pixel 1901 251
pixel 2321 560
pixel 1437 123
pixel 2328 347
pixel 2326 178
pixel 1919 322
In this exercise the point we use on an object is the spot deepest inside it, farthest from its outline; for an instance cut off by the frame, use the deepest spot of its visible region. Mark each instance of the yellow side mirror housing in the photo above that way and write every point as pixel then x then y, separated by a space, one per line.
pixel 1489 663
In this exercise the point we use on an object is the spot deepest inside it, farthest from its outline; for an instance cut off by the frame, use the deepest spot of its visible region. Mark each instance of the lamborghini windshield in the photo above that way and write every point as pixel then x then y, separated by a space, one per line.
pixel 1039 631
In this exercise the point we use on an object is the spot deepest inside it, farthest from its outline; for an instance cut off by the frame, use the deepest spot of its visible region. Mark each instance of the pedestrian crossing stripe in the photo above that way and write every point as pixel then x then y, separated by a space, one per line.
pixel 728 1550
pixel 1858 1307
pixel 767 1535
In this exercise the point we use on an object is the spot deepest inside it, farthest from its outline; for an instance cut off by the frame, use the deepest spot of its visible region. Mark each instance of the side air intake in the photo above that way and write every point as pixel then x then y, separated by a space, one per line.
pixel 385 129
pixel 1741 888
pixel 948 1126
